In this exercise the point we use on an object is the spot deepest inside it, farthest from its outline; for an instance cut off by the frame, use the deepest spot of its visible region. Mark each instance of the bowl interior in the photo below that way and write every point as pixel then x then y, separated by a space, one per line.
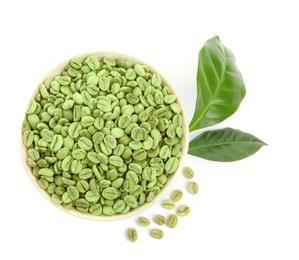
pixel 56 71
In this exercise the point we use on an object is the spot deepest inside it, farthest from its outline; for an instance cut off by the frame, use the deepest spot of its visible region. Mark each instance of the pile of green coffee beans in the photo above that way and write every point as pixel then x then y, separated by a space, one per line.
pixel 103 136
pixel 171 220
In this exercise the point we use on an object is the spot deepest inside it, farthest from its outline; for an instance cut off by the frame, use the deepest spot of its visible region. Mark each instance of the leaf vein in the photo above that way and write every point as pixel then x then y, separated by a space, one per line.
pixel 219 144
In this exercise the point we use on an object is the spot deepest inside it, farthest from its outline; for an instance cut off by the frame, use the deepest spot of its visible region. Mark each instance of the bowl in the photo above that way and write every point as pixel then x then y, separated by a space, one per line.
pixel 171 179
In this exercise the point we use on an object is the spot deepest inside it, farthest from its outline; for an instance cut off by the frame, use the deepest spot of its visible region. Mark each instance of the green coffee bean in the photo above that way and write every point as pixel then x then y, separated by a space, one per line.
pixel 82 204
pixel 93 186
pixel 92 197
pixel 168 99
pixel 109 203
pixel 92 79
pixel 109 193
pixel 119 149
pixel 33 120
pixel 104 183
pixel 127 110
pixel 156 80
pixel 119 206
pixel 188 172
pixel 47 135
pixel 132 98
pixel 96 209
pixel 183 210
pixel 63 80
pixel 82 186
pixel 46 172
pixel 171 165
pixel 109 61
pixel 79 154
pixel 139 70
pixel 179 132
pixel 74 129
pixel 149 174
pixel 130 175
pixel 143 221
pixel 172 221
pixel 124 63
pixel 130 74
pixel 84 143
pixel 59 190
pixel 159 220
pixel 28 138
pixel 192 187
pixel 175 108
pixel 132 234
pixel 62 153
pixel 171 131
pixel 128 185
pixel 56 143
pixel 117 132
pixel 44 184
pixel 150 196
pixel 135 145
pixel 168 204
pixel 98 137
pixel 108 210
pixel 176 150
pixel 92 62
pixel 66 198
pixel 33 154
pixel 176 195
pixel 25 126
pixel 137 191
pixel 131 201
pixel 125 140
pixel 104 104
pixel 41 145
pixel 42 163
pixel 78 98
pixel 32 107
pixel 85 173
pixel 68 104
pixel 110 141
pixel 138 134
pixel 142 198
pixel 56 198
pixel 68 182
pixel 77 114
pixel 164 152
pixel 135 167
pixel 115 160
pixel 124 121
pixel 73 193
pixel 117 183
pixel 76 63
pixel 105 149
pixel 66 163
pixel 94 157
pixel 87 121
pixel 111 175
pixel 139 155
pixel 157 233
pixel 31 163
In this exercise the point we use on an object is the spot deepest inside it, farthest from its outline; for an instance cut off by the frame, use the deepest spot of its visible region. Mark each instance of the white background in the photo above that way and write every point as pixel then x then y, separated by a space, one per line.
pixel 246 209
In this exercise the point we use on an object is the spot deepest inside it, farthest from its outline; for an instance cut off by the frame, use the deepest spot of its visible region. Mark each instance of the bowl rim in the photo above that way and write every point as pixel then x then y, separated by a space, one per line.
pixel 56 70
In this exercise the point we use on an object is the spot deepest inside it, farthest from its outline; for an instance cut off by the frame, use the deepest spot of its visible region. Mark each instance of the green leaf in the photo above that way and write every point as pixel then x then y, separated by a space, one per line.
pixel 220 86
pixel 224 145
